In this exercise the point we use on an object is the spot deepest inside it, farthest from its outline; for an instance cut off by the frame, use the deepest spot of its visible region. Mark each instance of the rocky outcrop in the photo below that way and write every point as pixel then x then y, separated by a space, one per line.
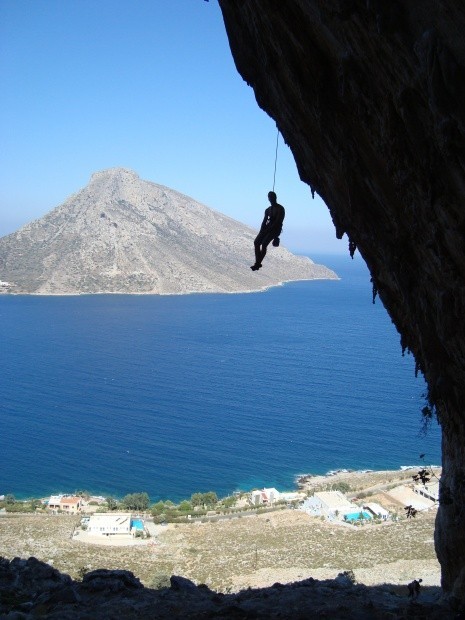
pixel 32 589
pixel 370 97
pixel 121 234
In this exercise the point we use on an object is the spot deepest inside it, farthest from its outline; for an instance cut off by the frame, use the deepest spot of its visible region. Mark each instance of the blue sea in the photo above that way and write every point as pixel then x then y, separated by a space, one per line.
pixel 174 395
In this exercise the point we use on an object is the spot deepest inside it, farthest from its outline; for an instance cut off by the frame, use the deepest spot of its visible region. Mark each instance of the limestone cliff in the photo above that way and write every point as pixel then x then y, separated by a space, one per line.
pixel 121 234
pixel 370 97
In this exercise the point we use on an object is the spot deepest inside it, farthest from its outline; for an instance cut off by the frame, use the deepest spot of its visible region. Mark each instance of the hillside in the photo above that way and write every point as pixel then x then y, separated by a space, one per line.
pixel 282 564
pixel 121 234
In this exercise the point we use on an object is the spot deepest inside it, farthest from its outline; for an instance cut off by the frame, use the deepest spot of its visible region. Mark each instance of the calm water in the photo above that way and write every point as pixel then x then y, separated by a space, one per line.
pixel 173 395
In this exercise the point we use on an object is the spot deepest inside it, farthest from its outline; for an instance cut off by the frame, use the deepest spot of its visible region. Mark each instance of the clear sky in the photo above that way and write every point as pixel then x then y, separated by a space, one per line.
pixel 148 85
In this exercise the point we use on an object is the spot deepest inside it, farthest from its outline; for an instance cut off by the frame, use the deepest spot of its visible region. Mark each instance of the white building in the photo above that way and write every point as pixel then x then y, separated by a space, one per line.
pixel 54 502
pixel 265 496
pixel 331 504
pixel 376 510
pixel 292 496
pixel 407 496
pixel 430 490
pixel 108 524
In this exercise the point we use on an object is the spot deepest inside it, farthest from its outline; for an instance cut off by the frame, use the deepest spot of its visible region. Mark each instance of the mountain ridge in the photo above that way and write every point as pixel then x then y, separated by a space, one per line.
pixel 122 234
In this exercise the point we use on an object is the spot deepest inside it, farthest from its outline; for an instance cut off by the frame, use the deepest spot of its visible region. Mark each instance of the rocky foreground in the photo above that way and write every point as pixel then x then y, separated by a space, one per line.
pixel 121 234
pixel 30 589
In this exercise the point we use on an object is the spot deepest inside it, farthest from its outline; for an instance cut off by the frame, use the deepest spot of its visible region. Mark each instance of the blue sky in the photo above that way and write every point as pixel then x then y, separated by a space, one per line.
pixel 149 85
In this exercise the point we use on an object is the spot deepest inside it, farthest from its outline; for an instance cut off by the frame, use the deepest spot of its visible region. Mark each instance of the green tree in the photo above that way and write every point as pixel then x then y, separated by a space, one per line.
pixel 112 503
pixel 228 502
pixel 204 499
pixel 35 503
pixel 342 486
pixel 136 501
pixel 9 499
pixel 210 498
pixel 197 499
pixel 158 508
pixel 185 506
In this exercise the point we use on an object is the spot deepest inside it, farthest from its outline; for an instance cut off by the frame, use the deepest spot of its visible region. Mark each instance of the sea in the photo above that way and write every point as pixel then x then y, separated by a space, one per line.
pixel 172 395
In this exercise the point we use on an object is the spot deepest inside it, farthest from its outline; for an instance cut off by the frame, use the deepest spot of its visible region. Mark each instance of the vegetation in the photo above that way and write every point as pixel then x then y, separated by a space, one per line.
pixel 204 500
pixel 160 581
pixel 284 544
pixel 112 503
pixel 10 504
pixel 136 501
pixel 341 486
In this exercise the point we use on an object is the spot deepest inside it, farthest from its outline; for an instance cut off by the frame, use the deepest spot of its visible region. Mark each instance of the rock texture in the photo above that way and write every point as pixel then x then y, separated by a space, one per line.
pixel 121 234
pixel 370 96
pixel 33 589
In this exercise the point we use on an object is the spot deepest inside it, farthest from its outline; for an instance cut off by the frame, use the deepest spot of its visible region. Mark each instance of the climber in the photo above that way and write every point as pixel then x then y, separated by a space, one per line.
pixel 270 230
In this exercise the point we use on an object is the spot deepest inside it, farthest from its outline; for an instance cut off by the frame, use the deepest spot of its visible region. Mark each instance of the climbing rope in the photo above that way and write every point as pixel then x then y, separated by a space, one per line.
pixel 275 158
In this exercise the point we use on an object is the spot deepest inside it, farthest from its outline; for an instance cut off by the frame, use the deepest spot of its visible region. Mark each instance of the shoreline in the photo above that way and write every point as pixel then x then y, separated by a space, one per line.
pixel 302 481
pixel 153 294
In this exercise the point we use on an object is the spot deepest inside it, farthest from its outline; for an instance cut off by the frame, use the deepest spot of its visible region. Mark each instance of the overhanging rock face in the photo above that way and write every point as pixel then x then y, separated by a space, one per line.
pixel 370 96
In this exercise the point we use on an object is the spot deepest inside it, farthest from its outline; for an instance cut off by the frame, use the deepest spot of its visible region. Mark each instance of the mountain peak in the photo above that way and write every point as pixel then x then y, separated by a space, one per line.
pixel 121 234
pixel 116 172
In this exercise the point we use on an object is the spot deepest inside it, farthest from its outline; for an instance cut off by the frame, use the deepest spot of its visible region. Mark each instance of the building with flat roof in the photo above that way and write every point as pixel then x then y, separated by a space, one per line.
pixel 331 504
pixel 264 496
pixel 376 510
pixel 109 524
pixel 430 490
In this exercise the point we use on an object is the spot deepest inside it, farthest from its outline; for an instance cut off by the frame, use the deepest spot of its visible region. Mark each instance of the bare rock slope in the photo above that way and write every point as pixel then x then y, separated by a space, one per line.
pixel 121 234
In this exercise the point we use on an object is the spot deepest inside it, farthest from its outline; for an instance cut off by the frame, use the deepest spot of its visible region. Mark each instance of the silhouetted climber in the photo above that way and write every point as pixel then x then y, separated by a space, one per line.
pixel 270 230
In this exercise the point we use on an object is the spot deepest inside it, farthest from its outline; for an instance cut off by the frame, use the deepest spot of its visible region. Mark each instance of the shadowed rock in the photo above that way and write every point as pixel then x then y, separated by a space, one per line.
pixel 105 594
pixel 370 97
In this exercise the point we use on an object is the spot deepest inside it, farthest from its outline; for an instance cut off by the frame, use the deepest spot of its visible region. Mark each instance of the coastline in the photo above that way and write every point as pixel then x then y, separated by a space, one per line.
pixel 262 289
pixel 251 550
pixel 302 482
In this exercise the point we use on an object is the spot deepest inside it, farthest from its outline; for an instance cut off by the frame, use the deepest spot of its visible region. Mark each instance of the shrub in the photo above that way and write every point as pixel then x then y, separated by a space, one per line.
pixel 20 507
pixel 350 575
pixel 160 581
pixel 343 487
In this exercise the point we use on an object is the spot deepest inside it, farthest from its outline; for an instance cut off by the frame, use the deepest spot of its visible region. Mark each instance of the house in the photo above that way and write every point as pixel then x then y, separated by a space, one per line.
pixel 71 505
pixel 330 504
pixel 376 510
pixel 264 497
pixel 429 490
pixel 409 496
pixel 107 524
pixel 292 496
pixel 65 503
pixel 54 502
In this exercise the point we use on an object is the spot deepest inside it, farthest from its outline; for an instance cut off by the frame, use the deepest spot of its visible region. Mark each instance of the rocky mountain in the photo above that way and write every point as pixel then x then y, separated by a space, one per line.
pixel 121 234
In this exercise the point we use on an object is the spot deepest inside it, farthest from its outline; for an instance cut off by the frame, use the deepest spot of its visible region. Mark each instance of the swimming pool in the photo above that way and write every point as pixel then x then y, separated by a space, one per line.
pixel 355 516
pixel 138 524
